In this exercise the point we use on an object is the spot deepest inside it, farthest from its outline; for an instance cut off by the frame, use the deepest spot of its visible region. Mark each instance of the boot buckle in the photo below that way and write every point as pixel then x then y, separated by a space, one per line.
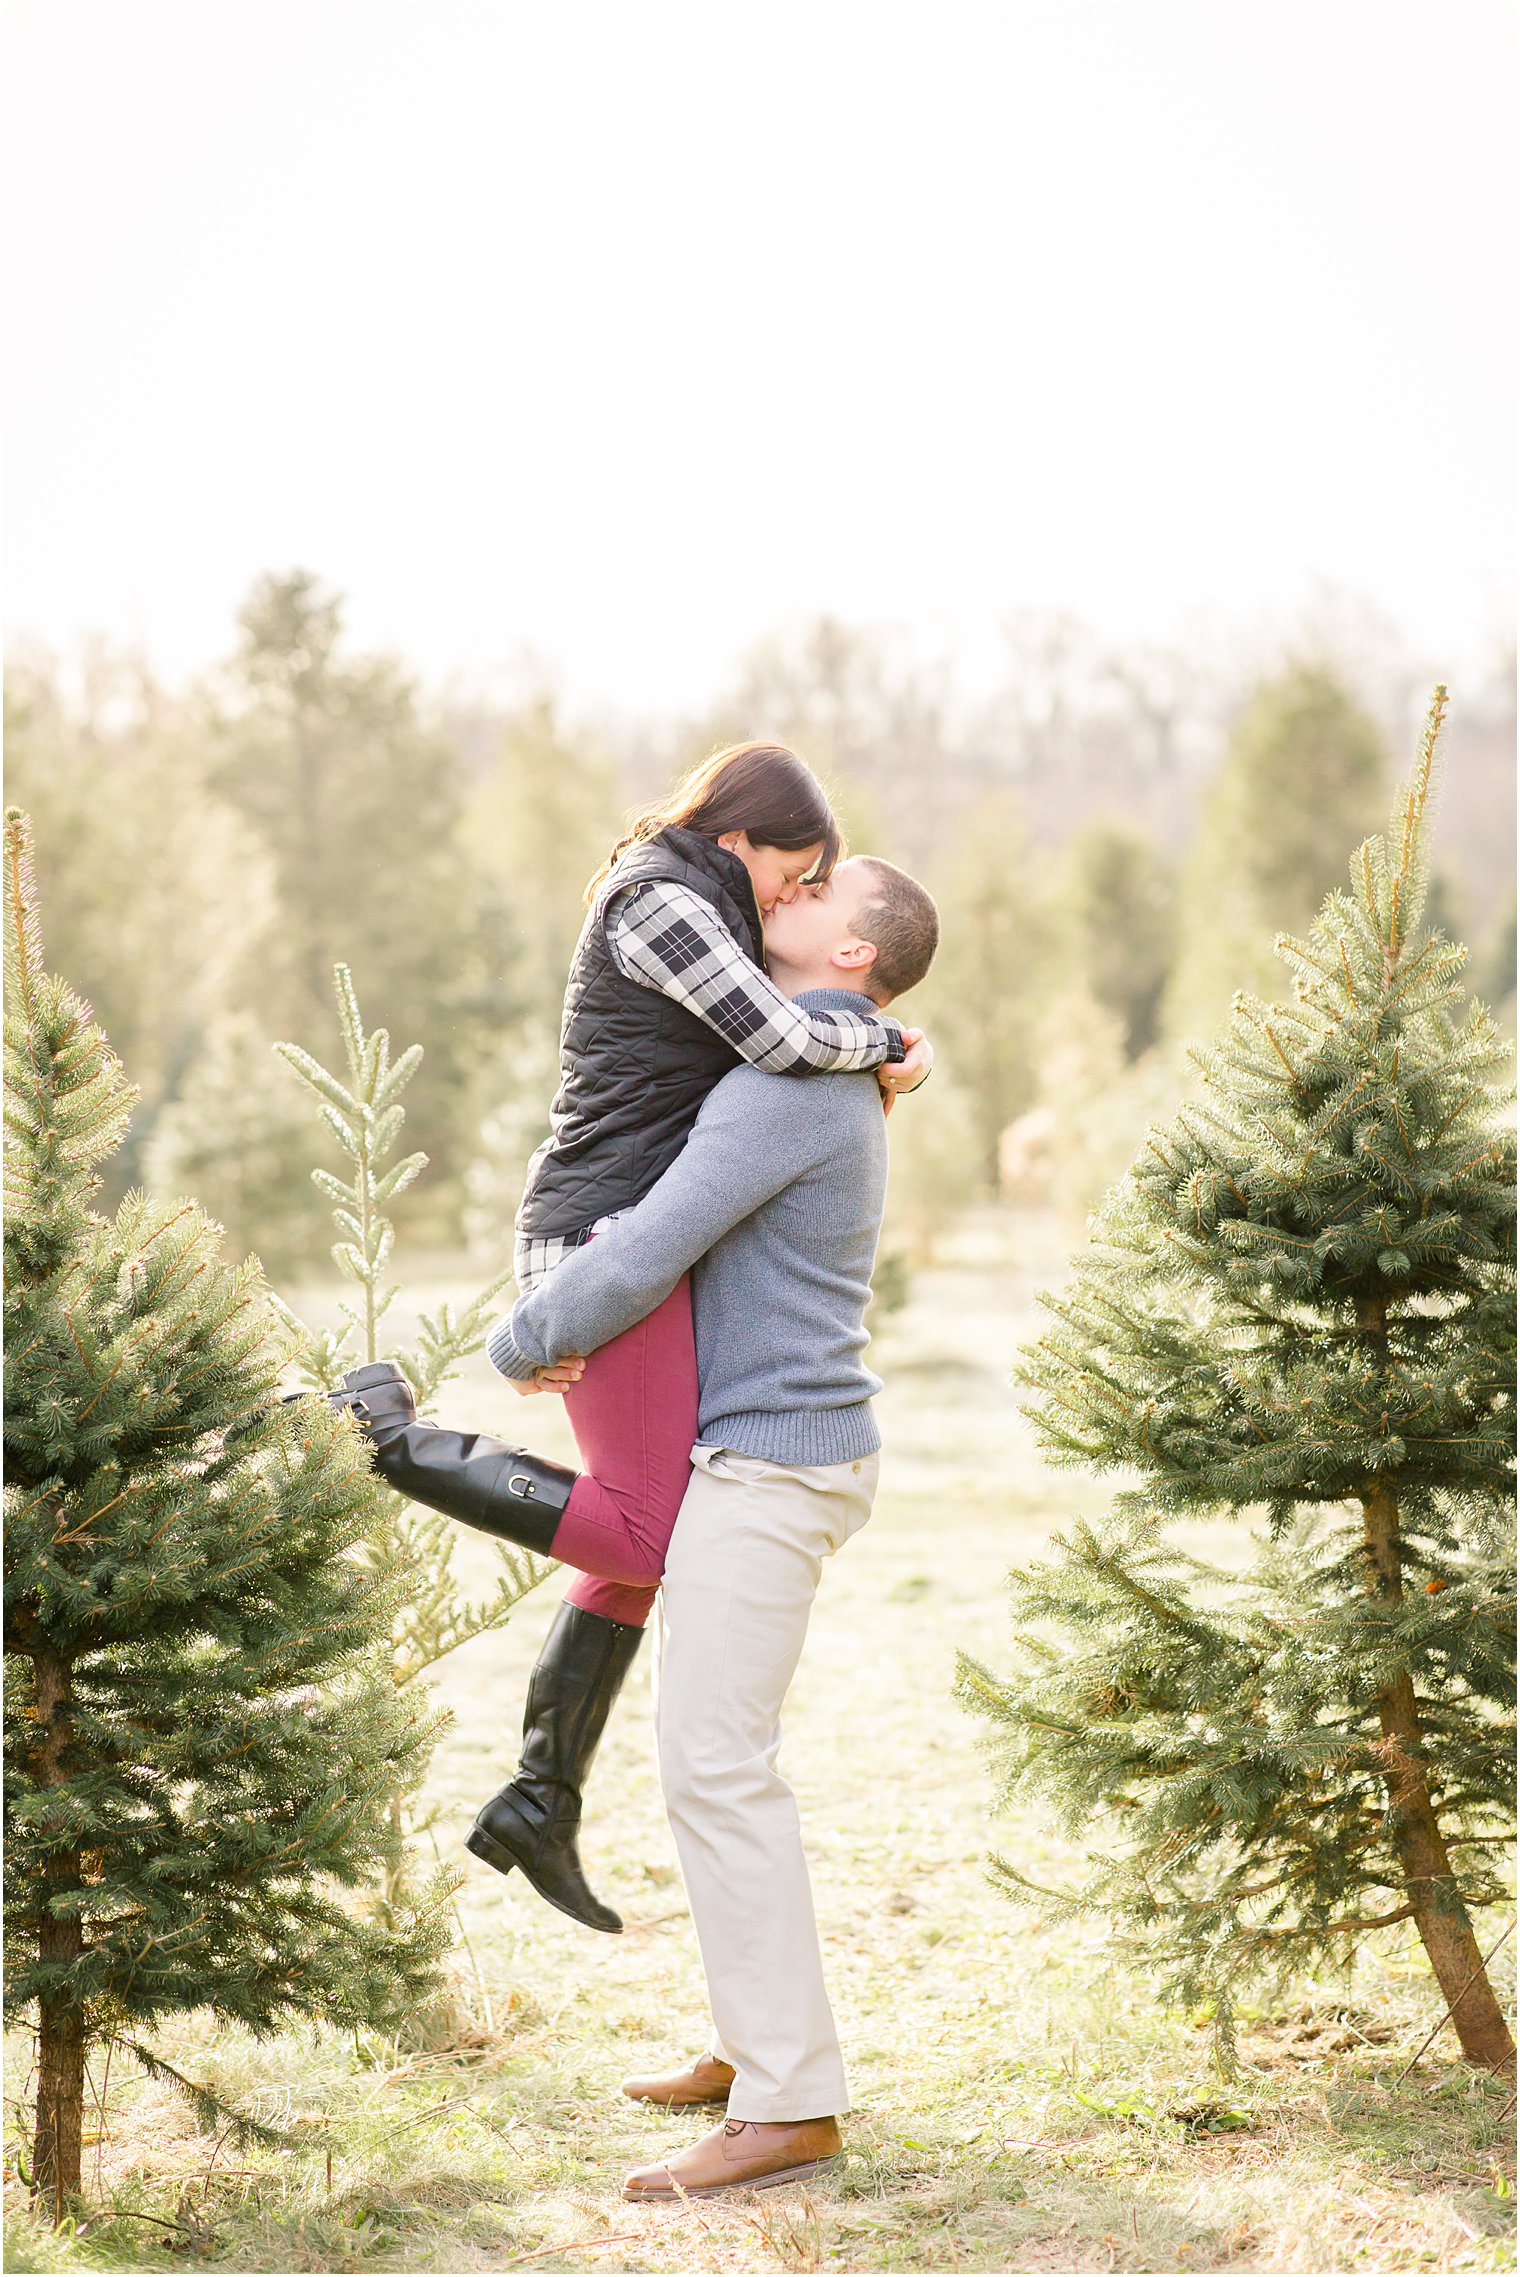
pixel 522 1486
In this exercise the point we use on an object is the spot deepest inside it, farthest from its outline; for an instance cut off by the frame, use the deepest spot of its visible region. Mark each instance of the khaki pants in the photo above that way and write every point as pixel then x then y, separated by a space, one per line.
pixel 740 1578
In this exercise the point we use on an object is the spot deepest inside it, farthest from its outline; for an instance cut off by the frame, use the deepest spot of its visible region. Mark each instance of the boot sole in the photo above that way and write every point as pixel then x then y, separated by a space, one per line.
pixel 721 2189
pixel 484 1846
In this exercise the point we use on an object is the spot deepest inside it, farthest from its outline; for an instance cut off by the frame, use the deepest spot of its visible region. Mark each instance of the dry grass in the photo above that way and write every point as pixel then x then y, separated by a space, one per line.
pixel 1020 2102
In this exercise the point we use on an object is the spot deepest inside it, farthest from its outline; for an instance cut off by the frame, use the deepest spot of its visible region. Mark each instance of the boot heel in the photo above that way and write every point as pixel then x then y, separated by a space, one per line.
pixel 493 1853
pixel 481 1846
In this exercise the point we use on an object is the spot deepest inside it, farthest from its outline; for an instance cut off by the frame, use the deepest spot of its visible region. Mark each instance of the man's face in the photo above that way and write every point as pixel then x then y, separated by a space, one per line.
pixel 804 934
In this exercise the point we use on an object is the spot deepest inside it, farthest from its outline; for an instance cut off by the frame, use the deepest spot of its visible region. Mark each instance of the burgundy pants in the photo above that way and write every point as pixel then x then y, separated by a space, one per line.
pixel 634 1415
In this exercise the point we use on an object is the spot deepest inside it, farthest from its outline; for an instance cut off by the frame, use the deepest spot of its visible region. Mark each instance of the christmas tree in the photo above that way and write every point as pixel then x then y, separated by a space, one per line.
pixel 201 1733
pixel 434 1615
pixel 1297 1305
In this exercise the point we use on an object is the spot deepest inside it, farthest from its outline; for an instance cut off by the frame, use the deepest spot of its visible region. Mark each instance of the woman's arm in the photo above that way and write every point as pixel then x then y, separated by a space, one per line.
pixel 668 938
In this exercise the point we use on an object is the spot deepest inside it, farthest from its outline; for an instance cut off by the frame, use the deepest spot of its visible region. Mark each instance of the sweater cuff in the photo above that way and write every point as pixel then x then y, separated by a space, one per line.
pixel 507 1356
pixel 896 1048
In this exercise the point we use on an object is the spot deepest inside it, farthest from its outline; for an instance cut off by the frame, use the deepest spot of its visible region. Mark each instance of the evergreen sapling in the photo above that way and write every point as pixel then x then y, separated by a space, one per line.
pixel 201 1735
pixel 1298 1303
pixel 434 1615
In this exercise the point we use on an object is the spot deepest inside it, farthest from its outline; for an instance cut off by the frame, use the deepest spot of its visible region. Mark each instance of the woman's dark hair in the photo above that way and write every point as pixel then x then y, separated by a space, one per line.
pixel 760 788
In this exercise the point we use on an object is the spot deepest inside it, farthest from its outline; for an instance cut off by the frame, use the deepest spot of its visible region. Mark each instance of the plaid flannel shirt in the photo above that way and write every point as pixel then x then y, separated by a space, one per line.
pixel 669 939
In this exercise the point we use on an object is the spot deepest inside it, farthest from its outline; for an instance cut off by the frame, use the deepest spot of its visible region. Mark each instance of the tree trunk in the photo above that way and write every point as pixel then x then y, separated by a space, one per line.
pixel 61 2047
pixel 56 2148
pixel 1442 1919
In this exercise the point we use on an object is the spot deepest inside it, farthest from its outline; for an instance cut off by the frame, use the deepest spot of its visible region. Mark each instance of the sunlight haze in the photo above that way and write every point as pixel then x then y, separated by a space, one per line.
pixel 626 335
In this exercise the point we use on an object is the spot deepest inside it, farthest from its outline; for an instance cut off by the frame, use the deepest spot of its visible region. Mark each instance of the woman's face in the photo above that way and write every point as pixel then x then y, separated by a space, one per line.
pixel 774 873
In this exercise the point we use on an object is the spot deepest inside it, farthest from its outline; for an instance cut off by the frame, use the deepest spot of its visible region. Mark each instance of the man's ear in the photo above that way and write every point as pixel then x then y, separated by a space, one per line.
pixel 855 956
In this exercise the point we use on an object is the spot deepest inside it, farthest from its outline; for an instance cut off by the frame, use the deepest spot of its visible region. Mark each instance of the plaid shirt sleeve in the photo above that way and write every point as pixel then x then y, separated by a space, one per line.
pixel 668 938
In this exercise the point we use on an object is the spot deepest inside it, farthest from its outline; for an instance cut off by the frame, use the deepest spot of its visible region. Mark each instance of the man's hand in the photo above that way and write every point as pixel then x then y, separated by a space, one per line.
pixel 556 1379
pixel 905 1074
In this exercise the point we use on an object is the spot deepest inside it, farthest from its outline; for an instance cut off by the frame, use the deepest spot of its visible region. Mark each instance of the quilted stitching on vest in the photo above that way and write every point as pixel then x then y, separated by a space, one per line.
pixel 634 1066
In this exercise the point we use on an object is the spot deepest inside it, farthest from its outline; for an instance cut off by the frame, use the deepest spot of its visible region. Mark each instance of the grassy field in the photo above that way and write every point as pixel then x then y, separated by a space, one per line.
pixel 1021 2103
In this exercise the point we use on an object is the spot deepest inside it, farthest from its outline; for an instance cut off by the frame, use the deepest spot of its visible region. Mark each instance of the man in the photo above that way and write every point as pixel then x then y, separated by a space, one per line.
pixel 776 1203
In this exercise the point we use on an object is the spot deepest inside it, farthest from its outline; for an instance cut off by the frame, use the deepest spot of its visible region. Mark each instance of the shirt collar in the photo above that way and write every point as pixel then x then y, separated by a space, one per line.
pixel 837 1000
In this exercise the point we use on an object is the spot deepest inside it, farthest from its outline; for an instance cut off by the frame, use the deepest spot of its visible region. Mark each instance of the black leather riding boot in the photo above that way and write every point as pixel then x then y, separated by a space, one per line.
pixel 505 1491
pixel 533 1822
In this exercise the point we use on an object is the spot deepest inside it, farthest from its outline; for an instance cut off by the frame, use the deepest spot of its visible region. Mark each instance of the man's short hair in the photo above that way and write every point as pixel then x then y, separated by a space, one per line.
pixel 902 921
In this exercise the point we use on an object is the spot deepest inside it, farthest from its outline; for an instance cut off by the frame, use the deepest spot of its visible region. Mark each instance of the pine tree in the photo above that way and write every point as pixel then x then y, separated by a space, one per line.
pixel 552 797
pixel 1303 777
pixel 149 883
pixel 980 1002
pixel 356 805
pixel 432 1616
pixel 199 1739
pixel 242 1146
pixel 1116 911
pixel 1298 1303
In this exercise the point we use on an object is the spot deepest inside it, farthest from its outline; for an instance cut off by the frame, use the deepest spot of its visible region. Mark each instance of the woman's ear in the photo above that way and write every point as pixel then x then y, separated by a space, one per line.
pixel 729 841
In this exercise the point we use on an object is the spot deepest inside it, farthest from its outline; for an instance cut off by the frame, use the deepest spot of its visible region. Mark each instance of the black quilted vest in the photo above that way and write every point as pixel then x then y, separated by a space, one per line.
pixel 634 1066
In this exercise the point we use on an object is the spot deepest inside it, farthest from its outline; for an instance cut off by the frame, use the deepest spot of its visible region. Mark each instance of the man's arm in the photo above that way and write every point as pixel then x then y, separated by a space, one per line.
pixel 755 1135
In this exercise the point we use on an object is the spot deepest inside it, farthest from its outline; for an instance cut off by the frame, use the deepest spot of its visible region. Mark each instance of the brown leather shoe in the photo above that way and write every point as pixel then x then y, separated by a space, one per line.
pixel 705 2081
pixel 741 2154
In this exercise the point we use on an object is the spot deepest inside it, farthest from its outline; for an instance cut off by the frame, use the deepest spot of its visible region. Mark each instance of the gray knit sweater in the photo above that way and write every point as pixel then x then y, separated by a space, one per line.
pixel 776 1200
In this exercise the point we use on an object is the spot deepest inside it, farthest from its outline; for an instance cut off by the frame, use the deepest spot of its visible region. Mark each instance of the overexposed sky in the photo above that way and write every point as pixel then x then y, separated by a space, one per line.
pixel 627 333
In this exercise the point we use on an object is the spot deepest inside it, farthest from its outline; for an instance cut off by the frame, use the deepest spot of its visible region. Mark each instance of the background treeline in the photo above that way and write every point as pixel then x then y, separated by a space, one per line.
pixel 1114 838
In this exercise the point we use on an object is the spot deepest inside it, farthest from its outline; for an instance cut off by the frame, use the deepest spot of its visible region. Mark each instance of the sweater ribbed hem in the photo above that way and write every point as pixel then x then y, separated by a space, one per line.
pixel 801 1438
pixel 505 1355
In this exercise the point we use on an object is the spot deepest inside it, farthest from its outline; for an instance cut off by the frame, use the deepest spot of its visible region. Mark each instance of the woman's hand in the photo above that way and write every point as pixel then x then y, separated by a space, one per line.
pixel 905 1074
pixel 564 1372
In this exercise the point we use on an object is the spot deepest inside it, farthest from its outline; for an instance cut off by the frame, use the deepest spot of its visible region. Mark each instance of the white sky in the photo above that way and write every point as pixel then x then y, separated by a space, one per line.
pixel 631 332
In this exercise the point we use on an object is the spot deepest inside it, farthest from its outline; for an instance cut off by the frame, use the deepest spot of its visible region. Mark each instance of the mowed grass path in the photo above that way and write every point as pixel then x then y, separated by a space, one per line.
pixel 1020 2101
